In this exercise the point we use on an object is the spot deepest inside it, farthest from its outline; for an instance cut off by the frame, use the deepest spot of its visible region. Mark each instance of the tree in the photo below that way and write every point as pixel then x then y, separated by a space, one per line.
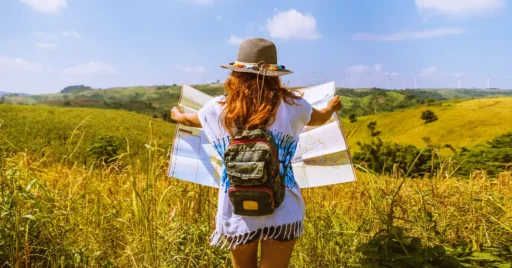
pixel 428 116
pixel 429 101
pixel 352 118
pixel 372 126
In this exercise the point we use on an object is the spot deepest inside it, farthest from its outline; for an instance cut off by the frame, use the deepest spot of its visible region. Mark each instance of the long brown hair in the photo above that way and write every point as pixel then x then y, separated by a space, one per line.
pixel 249 104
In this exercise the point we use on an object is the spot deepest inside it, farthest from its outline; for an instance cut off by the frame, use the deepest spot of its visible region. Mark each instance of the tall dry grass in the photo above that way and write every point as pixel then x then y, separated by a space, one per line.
pixel 130 214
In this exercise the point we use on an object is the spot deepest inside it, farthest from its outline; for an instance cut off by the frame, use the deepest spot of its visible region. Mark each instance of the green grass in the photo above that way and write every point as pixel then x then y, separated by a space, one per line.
pixel 461 123
pixel 64 130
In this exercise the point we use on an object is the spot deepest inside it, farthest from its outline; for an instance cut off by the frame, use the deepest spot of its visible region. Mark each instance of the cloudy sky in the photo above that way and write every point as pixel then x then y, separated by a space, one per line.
pixel 46 45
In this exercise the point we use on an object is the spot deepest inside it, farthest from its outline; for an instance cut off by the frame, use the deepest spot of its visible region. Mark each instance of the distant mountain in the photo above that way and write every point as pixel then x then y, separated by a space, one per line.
pixel 10 93
pixel 75 89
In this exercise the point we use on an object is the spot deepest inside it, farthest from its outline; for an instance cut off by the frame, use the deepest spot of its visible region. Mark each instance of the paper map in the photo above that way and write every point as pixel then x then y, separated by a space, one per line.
pixel 321 158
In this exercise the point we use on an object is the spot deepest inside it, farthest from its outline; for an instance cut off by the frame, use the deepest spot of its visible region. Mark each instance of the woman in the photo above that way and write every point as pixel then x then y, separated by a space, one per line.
pixel 255 98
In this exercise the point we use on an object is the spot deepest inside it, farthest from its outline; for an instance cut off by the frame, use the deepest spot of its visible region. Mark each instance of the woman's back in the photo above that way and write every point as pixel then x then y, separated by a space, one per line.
pixel 288 121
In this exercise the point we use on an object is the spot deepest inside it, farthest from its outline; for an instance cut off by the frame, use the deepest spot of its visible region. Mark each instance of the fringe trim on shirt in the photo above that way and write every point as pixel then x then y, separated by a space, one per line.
pixel 291 230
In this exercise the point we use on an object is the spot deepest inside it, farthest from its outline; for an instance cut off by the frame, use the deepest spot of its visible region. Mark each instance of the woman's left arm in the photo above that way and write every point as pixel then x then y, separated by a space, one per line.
pixel 191 120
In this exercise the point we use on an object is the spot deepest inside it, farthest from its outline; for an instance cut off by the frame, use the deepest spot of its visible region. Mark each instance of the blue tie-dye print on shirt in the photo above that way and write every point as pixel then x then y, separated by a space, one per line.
pixel 285 145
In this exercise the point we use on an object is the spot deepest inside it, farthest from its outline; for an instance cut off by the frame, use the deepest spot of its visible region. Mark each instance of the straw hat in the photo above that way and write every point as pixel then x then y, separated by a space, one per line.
pixel 259 56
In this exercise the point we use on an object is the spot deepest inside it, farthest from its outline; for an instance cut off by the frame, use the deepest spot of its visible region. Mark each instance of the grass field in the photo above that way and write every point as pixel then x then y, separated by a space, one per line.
pixel 461 123
pixel 130 214
pixel 122 215
pixel 60 131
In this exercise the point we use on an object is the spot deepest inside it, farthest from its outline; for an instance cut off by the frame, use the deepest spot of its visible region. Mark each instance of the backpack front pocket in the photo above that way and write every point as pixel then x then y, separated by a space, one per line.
pixel 246 173
pixel 252 201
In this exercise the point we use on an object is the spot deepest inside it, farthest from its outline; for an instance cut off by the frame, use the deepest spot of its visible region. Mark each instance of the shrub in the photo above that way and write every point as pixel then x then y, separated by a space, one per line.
pixel 382 156
pixel 493 157
pixel 392 248
pixel 372 126
pixel 428 116
pixel 105 148
pixel 352 118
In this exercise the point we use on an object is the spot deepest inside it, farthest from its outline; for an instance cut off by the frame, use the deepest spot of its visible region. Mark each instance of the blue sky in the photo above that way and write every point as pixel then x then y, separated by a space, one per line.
pixel 46 45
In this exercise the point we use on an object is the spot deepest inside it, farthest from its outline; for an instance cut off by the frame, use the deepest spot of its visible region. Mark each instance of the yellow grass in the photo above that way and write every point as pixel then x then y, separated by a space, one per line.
pixel 126 216
pixel 466 123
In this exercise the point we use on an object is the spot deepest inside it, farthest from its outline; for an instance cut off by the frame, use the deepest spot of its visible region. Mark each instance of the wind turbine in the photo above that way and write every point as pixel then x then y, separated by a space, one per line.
pixel 389 80
pixel 415 81
pixel 369 81
pixel 488 82
pixel 316 74
pixel 458 80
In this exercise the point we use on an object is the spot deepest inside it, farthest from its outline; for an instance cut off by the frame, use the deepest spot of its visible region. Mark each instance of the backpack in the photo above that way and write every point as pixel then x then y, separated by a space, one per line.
pixel 256 187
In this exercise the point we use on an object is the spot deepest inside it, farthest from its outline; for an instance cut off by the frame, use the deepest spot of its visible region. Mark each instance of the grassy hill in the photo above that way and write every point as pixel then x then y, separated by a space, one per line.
pixel 62 130
pixel 157 100
pixel 150 100
pixel 461 123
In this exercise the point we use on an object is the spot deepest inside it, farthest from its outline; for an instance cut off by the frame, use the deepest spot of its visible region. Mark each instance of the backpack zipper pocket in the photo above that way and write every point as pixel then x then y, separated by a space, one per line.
pixel 254 189
pixel 274 152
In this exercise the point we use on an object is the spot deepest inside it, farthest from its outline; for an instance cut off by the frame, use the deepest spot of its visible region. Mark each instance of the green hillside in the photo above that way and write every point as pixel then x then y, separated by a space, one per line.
pixel 150 100
pixel 33 128
pixel 461 123
pixel 157 100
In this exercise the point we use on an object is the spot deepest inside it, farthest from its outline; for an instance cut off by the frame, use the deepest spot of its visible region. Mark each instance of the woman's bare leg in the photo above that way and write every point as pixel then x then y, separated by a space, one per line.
pixel 276 254
pixel 245 256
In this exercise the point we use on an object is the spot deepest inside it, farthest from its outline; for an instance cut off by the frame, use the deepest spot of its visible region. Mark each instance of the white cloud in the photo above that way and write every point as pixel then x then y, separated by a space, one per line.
pixel 378 67
pixel 407 35
pixel 428 71
pixel 191 69
pixel 91 68
pixel 45 45
pixel 459 8
pixel 292 24
pixel 235 40
pixel 73 33
pixel 9 65
pixel 46 6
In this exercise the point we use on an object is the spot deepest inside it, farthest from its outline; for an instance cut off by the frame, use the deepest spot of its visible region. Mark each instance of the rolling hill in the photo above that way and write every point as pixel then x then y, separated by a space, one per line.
pixel 64 130
pixel 461 123
pixel 157 100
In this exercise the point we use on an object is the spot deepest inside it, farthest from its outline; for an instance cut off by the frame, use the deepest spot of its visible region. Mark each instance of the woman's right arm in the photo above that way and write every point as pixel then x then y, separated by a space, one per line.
pixel 319 117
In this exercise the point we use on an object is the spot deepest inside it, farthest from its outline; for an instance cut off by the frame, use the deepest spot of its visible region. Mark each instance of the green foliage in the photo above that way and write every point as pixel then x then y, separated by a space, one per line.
pixel 75 89
pixel 352 118
pixel 105 148
pixel 372 126
pixel 393 248
pixel 483 255
pixel 428 116
pixel 382 156
pixel 493 157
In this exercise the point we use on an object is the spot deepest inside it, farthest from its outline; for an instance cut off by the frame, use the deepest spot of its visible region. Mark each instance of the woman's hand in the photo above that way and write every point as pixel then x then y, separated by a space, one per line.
pixel 320 117
pixel 190 119
pixel 334 104
pixel 176 113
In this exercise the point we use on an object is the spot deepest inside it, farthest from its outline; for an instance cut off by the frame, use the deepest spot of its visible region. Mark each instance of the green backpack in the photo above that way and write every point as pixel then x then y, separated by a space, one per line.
pixel 256 187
